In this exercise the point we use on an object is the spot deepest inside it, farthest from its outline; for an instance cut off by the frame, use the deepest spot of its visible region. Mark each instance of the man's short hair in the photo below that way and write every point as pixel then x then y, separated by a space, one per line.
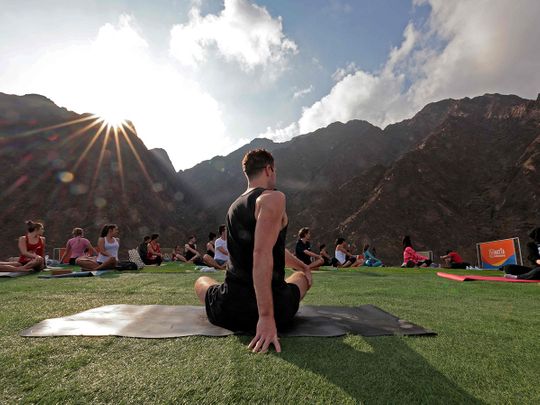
pixel 221 229
pixel 303 232
pixel 255 161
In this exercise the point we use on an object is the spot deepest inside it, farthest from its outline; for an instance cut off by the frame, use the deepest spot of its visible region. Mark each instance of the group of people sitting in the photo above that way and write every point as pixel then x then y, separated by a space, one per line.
pixel 342 255
pixel 79 251
pixel 216 255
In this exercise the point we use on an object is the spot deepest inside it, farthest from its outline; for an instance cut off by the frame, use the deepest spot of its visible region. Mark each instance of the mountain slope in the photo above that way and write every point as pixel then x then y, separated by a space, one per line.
pixel 70 170
pixel 448 177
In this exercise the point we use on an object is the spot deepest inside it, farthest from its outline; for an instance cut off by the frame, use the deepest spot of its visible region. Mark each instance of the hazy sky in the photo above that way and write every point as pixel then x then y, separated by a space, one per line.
pixel 200 78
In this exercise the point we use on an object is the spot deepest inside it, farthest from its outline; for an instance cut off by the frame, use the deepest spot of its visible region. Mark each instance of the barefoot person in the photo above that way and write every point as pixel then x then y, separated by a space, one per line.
pixel 76 246
pixel 177 255
pixel 31 248
pixel 303 250
pixel 344 258
pixel 255 294
pixel 107 247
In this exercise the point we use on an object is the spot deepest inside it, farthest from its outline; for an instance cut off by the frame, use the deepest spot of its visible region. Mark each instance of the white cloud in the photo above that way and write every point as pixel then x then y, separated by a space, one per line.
pixel 115 75
pixel 340 73
pixel 303 92
pixel 281 134
pixel 243 32
pixel 467 48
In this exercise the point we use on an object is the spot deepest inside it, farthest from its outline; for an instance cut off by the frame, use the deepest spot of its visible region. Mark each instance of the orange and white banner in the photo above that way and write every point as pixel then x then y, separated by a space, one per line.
pixel 492 255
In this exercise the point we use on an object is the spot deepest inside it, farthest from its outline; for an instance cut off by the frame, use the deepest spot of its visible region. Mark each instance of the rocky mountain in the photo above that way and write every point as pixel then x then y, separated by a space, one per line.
pixel 458 172
pixel 72 170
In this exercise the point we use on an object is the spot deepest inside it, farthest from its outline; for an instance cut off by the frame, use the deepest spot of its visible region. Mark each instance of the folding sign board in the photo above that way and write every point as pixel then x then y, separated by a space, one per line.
pixel 494 254
pixel 426 253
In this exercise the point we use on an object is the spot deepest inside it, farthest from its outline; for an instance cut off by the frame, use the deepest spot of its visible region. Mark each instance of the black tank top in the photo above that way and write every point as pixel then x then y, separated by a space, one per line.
pixel 240 242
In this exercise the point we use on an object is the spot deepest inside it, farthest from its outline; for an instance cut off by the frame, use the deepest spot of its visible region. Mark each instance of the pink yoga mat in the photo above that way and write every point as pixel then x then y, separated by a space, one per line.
pixel 455 277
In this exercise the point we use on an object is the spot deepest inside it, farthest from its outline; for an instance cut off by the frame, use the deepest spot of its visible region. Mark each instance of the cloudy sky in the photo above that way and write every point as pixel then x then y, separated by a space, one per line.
pixel 202 77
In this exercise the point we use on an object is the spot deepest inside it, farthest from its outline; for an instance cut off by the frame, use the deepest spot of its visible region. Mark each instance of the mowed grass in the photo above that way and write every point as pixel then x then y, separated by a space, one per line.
pixel 487 350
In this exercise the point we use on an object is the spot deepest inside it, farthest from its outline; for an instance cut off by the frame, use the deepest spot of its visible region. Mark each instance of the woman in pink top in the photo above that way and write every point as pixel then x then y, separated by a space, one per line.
pixel 76 246
pixel 410 257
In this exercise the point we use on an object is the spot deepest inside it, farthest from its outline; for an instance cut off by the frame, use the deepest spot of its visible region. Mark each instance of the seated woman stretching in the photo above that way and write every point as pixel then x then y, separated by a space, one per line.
pixel 410 257
pixel 533 254
pixel 107 247
pixel 324 254
pixel 452 260
pixel 343 257
pixel 153 255
pixel 177 254
pixel 369 258
pixel 210 245
pixel 31 248
pixel 76 247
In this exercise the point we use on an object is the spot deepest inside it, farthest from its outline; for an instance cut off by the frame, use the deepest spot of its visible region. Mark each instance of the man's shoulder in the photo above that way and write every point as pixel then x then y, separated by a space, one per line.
pixel 271 197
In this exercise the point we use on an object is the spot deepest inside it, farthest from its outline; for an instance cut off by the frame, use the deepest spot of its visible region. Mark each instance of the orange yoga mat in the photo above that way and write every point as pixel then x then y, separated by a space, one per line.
pixel 456 277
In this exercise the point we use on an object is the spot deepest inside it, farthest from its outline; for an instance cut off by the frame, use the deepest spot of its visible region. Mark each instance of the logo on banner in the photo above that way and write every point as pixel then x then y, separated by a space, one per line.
pixel 497 253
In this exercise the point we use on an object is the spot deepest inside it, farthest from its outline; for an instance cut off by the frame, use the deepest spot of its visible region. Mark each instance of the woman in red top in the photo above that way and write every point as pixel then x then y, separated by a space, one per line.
pixel 410 257
pixel 452 260
pixel 154 255
pixel 32 249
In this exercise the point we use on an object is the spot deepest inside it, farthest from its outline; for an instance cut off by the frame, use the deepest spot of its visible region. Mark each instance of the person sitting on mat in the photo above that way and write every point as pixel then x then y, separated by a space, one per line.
pixel 222 254
pixel 303 250
pixel 177 254
pixel 107 248
pixel 325 256
pixel 452 260
pixel 154 255
pixel 210 245
pixel 31 248
pixel 76 246
pixel 190 251
pixel 369 258
pixel 533 254
pixel 143 248
pixel 343 257
pixel 410 257
pixel 255 294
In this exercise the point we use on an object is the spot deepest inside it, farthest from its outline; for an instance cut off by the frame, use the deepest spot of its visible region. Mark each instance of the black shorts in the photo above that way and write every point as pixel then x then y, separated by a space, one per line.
pixel 72 261
pixel 228 306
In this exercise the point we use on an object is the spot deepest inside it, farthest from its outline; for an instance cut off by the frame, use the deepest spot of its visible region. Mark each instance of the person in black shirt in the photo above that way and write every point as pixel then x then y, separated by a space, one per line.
pixel 303 250
pixel 143 249
pixel 255 294
pixel 191 253
pixel 533 254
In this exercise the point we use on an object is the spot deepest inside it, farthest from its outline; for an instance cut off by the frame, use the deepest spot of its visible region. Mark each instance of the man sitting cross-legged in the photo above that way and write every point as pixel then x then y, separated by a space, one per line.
pixel 255 294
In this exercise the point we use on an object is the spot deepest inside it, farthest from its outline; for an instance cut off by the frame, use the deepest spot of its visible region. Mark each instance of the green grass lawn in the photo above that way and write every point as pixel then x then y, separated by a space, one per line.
pixel 487 350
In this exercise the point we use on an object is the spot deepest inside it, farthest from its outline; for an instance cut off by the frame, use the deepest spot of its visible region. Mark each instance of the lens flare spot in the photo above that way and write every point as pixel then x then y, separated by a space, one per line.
pixel 66 177
pixel 78 189
pixel 100 202
pixel 158 187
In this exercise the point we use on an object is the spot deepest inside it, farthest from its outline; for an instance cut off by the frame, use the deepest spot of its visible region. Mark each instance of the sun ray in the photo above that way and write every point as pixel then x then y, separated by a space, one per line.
pixel 136 154
pixel 119 159
pixel 80 131
pixel 56 126
pixel 100 158
pixel 90 144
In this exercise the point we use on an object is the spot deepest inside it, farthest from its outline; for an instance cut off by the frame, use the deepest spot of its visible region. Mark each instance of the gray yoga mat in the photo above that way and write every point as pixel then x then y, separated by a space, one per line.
pixel 165 321
pixel 12 274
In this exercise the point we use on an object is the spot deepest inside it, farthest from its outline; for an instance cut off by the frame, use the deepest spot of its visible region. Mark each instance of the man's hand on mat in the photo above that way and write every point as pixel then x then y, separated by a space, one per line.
pixel 265 336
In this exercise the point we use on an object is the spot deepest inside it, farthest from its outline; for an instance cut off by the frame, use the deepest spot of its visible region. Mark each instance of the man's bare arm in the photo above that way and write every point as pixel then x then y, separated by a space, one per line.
pixel 298 265
pixel 269 214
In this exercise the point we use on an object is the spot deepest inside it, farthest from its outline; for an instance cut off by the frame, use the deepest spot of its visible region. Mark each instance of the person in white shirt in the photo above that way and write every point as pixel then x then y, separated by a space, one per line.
pixel 221 255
